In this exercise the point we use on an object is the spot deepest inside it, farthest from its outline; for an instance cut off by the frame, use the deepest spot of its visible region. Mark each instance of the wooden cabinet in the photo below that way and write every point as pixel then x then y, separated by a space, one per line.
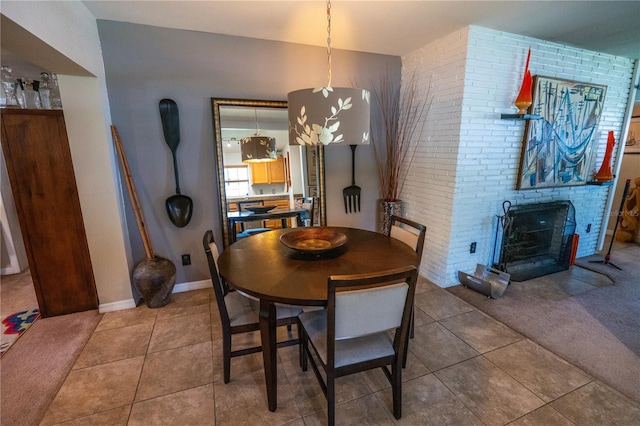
pixel 277 223
pixel 269 172
pixel 43 184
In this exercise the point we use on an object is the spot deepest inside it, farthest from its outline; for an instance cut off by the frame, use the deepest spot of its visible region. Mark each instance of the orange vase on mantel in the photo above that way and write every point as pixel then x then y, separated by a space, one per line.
pixel 605 174
pixel 525 98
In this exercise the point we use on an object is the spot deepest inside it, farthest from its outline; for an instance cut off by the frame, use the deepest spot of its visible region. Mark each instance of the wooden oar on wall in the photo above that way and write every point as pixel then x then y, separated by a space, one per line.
pixel 133 196
pixel 154 277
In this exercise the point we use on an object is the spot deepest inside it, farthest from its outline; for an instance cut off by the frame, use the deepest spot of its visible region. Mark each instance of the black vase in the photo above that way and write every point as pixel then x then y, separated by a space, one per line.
pixel 154 279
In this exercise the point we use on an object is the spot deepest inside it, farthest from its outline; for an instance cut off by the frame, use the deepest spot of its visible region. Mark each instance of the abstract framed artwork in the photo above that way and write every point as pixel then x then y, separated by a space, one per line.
pixel 558 147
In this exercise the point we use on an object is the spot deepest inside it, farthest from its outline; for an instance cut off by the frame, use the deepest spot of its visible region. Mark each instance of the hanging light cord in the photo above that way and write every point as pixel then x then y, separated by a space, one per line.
pixel 255 111
pixel 329 41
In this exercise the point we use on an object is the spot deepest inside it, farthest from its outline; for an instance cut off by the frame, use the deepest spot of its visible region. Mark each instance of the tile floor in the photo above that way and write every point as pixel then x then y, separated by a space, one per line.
pixel 163 367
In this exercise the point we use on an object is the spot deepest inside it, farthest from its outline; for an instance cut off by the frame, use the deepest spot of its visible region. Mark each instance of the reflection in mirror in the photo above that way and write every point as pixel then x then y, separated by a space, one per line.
pixel 297 172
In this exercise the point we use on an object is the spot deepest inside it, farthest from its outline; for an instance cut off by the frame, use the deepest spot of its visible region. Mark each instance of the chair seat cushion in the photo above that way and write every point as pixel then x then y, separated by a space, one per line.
pixel 282 310
pixel 240 309
pixel 348 351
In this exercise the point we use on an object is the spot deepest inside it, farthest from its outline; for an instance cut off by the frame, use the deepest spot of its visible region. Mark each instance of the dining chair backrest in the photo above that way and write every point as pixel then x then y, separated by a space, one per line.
pixel 368 311
pixel 242 207
pixel 409 232
pixel 307 203
pixel 219 288
pixel 360 305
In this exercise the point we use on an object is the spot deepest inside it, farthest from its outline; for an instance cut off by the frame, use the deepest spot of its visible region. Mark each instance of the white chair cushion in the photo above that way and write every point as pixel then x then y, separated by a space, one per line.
pixel 240 310
pixel 348 351
pixel 404 235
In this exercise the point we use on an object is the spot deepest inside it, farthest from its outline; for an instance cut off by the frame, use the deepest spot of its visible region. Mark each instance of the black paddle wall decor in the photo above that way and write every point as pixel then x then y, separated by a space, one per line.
pixel 179 207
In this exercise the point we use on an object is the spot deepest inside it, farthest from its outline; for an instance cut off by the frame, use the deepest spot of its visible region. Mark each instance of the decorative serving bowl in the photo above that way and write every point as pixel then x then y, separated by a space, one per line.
pixel 313 240
pixel 260 209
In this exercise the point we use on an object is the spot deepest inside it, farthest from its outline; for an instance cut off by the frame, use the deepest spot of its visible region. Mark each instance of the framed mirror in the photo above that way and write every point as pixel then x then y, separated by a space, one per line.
pixel 234 119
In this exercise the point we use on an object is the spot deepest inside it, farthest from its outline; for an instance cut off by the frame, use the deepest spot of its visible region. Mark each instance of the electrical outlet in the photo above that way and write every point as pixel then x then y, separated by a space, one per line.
pixel 186 259
pixel 588 228
pixel 472 247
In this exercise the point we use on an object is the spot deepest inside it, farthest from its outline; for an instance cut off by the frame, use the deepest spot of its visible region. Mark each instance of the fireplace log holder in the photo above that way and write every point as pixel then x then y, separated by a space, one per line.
pixel 488 281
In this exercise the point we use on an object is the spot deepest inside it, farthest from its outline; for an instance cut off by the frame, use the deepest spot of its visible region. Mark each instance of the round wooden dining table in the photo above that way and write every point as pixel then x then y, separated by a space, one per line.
pixel 262 266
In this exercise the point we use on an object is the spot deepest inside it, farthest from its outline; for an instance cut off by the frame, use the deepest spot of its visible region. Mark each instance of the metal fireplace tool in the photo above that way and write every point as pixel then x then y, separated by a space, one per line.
pixel 487 280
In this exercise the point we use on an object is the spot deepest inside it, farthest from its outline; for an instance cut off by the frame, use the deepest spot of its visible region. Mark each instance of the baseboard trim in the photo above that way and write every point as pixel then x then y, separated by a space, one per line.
pixel 130 303
pixel 116 306
pixel 193 285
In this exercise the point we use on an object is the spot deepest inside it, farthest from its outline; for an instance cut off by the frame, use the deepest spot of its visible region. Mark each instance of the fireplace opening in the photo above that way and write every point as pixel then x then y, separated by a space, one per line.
pixel 536 239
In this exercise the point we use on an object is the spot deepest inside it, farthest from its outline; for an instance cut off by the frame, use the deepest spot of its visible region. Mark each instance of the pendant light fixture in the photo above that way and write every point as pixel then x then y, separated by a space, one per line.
pixel 329 115
pixel 258 149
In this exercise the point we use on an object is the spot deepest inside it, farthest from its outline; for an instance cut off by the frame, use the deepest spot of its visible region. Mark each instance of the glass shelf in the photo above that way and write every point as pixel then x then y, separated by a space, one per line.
pixel 520 117
pixel 598 183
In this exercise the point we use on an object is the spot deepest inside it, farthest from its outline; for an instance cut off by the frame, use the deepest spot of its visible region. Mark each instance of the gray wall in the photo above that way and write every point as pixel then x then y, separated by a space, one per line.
pixel 145 64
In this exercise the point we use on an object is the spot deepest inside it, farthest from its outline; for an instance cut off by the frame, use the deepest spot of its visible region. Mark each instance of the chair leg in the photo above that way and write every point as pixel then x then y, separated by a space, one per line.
pixel 226 357
pixel 303 349
pixel 331 400
pixel 411 324
pixel 396 385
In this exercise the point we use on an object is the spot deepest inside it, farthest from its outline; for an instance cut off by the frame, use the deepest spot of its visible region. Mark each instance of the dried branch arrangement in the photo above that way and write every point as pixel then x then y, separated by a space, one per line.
pixel 401 114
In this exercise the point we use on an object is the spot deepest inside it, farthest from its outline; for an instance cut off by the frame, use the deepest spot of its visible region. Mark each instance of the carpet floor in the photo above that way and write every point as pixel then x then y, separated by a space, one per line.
pixel 588 315
pixel 18 307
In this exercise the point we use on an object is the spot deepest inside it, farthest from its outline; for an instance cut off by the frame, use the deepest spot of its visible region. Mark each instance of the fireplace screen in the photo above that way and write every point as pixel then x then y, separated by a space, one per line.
pixel 536 239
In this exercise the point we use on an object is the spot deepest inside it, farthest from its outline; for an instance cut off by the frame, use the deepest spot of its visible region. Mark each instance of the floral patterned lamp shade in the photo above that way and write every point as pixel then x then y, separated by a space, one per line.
pixel 329 115
pixel 257 149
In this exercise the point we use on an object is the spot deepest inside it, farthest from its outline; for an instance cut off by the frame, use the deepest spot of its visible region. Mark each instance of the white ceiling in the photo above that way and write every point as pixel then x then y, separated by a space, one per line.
pixel 392 27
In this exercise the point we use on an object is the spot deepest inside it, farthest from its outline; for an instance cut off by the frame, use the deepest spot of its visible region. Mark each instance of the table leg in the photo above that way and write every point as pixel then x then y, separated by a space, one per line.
pixel 269 351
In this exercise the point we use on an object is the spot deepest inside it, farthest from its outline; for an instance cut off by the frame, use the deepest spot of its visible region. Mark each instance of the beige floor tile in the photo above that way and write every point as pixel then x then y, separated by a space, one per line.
pixel 377 380
pixel 115 417
pixel 175 370
pixel 440 304
pixel 192 406
pixel 239 365
pixel 597 404
pixel 421 318
pixel 95 389
pixel 244 401
pixel 436 347
pixel 182 331
pixel 537 288
pixel 492 395
pixel 366 410
pixel 115 344
pixel 582 274
pixel 540 371
pixel 480 331
pixel 426 401
pixel 424 284
pixel 127 317
pixel 186 303
pixel 543 416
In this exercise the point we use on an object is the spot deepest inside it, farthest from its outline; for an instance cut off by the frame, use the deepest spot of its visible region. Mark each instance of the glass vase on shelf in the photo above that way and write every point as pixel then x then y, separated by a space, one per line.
pixel 56 101
pixel 31 95
pixel 9 86
pixel 45 91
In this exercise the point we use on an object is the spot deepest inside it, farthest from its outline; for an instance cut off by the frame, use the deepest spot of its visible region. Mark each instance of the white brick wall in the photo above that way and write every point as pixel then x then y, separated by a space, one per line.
pixel 467 160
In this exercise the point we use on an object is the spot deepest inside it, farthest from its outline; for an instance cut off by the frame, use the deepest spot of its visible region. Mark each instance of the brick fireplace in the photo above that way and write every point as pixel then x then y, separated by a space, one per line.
pixel 536 239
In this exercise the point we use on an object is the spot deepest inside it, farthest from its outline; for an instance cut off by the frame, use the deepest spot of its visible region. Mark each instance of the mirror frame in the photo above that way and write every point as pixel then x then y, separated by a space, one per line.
pixel 216 103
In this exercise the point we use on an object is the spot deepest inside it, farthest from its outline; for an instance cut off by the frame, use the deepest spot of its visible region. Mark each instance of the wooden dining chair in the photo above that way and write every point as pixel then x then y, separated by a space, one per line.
pixel 244 231
pixel 237 312
pixel 352 334
pixel 412 234
pixel 307 203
